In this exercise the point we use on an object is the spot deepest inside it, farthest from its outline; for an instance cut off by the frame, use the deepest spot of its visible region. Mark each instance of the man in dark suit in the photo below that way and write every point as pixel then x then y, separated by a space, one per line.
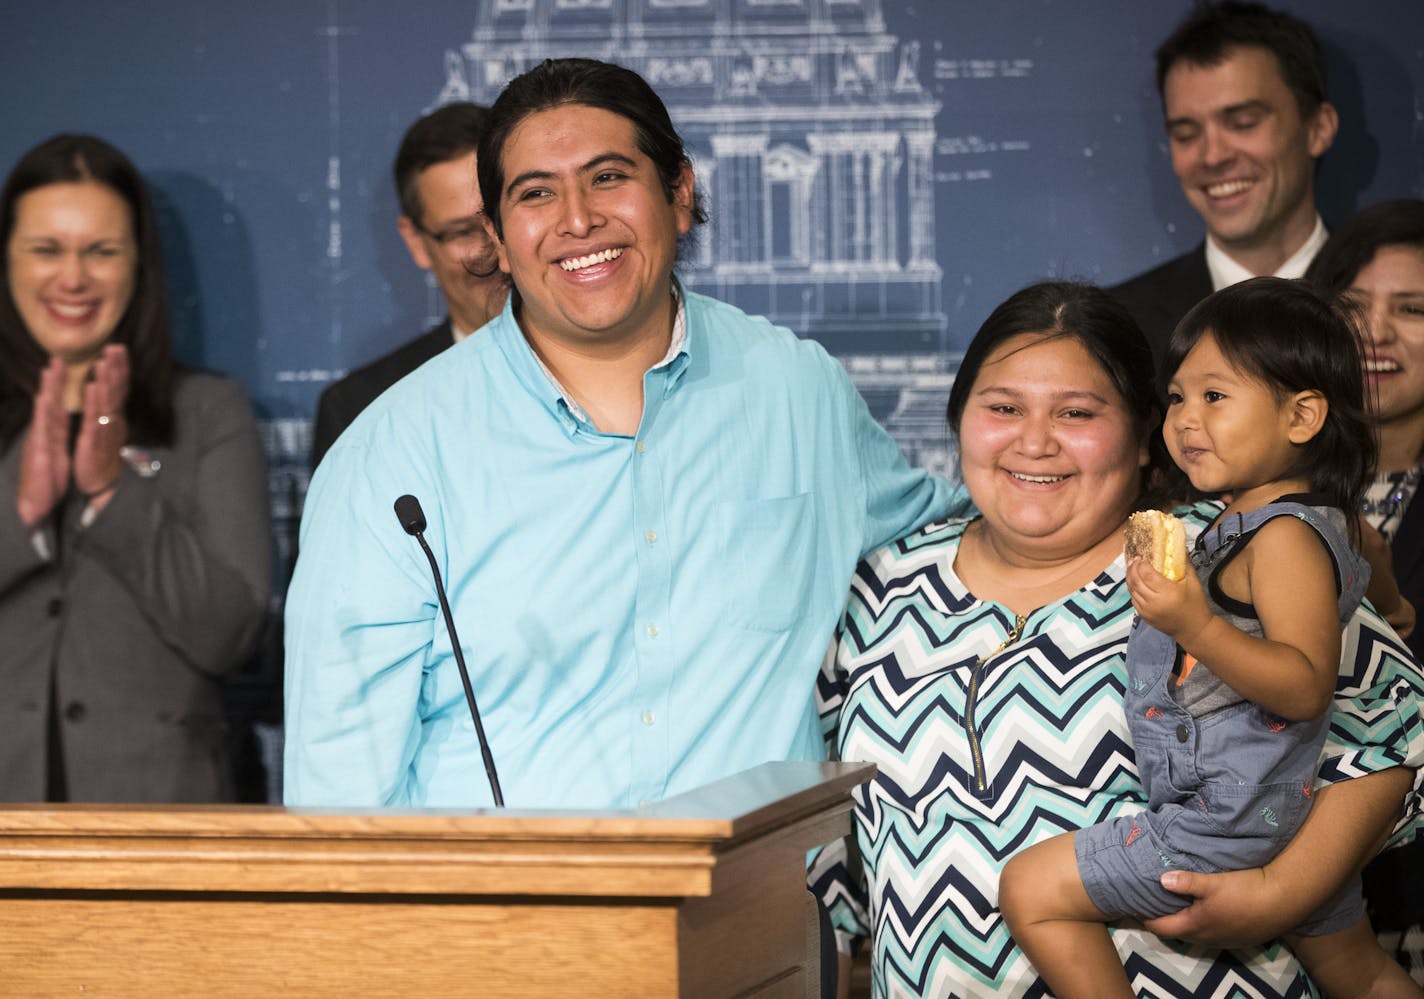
pixel 442 223
pixel 1243 94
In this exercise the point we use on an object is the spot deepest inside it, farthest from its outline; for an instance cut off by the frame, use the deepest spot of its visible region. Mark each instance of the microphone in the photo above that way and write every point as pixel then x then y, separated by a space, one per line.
pixel 412 521
pixel 411 516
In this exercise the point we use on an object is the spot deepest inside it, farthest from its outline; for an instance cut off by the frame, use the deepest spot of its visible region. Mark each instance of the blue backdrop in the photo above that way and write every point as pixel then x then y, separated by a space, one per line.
pixel 881 172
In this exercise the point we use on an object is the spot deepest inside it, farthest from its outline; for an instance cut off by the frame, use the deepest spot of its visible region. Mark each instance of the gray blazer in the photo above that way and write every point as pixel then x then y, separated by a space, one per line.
pixel 138 615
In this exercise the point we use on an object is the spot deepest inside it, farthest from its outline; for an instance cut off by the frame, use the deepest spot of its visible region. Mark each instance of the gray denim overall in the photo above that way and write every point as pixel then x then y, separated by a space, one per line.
pixel 1227 789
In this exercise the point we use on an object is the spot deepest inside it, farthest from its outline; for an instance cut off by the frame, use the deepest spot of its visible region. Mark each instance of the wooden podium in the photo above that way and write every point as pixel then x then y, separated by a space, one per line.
pixel 699 895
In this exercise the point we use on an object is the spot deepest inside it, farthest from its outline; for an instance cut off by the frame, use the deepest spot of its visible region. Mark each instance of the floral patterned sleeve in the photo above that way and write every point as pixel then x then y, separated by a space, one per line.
pixel 835 874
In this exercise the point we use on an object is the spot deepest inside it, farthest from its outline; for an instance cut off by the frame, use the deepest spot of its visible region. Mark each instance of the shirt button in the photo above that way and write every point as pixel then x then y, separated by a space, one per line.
pixel 55 607
pixel 648 718
pixel 652 631
pixel 75 711
pixel 642 447
pixel 651 536
pixel 1181 733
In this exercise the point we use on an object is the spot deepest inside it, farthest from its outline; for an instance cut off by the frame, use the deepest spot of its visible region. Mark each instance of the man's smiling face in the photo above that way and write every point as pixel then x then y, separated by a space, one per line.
pixel 590 235
pixel 1242 151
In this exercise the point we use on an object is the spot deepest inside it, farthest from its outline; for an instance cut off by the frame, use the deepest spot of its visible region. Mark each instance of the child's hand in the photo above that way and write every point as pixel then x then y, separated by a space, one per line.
pixel 1177 609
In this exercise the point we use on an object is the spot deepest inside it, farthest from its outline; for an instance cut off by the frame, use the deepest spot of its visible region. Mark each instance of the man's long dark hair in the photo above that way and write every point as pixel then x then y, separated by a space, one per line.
pixel 144 326
pixel 556 82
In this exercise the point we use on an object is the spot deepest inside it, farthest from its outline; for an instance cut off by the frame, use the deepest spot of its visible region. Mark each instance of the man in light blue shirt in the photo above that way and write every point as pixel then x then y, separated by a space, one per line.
pixel 646 505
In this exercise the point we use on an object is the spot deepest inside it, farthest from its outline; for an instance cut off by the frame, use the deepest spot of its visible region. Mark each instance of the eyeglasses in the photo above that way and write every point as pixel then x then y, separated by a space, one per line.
pixel 465 238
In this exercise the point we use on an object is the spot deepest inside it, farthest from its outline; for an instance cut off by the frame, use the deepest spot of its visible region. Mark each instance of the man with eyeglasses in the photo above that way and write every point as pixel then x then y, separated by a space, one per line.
pixel 442 223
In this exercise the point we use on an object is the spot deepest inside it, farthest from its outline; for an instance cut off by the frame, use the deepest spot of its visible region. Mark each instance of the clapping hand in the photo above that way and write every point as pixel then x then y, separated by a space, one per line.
pixel 103 431
pixel 46 465
pixel 44 457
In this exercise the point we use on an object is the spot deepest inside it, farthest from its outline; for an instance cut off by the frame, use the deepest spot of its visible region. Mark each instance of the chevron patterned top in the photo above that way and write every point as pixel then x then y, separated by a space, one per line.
pixel 987 741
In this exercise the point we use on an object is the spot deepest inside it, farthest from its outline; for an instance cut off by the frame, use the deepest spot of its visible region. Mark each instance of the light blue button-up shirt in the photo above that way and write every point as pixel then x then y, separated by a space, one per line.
pixel 640 615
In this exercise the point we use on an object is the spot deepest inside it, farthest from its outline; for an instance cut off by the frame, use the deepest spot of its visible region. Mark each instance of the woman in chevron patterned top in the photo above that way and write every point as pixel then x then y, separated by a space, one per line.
pixel 980 665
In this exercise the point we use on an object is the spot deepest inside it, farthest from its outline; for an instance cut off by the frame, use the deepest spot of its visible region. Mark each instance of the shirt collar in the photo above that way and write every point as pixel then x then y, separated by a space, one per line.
pixel 678 345
pixel 677 348
pixel 1225 271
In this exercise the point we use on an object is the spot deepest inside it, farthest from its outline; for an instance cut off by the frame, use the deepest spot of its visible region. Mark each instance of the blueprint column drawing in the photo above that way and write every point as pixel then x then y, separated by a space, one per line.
pixel 919 147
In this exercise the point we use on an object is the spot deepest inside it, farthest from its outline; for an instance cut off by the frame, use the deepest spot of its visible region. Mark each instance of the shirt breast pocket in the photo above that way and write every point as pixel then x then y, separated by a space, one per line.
pixel 765 548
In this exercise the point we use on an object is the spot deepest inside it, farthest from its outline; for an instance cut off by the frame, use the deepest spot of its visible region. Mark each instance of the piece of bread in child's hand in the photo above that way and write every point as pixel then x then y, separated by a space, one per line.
pixel 1159 538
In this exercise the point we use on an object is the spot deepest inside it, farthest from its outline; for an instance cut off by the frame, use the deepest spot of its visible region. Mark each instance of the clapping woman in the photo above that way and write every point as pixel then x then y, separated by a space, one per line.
pixel 134 557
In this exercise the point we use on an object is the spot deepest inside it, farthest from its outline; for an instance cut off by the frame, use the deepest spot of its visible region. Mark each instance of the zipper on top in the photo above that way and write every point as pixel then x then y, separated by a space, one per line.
pixel 981 778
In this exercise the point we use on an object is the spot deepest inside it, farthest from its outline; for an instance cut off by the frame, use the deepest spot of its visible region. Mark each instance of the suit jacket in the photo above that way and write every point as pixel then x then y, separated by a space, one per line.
pixel 343 401
pixel 1159 298
pixel 122 634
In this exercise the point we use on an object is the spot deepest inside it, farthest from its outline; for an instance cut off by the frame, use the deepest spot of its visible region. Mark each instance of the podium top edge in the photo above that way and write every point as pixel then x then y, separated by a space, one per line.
pixel 730 809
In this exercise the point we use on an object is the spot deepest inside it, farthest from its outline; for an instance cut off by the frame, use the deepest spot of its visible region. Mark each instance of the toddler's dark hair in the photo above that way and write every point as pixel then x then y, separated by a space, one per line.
pixel 1287 335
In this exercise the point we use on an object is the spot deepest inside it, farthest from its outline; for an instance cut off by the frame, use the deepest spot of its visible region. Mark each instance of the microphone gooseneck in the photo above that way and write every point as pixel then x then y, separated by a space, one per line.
pixel 412 521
